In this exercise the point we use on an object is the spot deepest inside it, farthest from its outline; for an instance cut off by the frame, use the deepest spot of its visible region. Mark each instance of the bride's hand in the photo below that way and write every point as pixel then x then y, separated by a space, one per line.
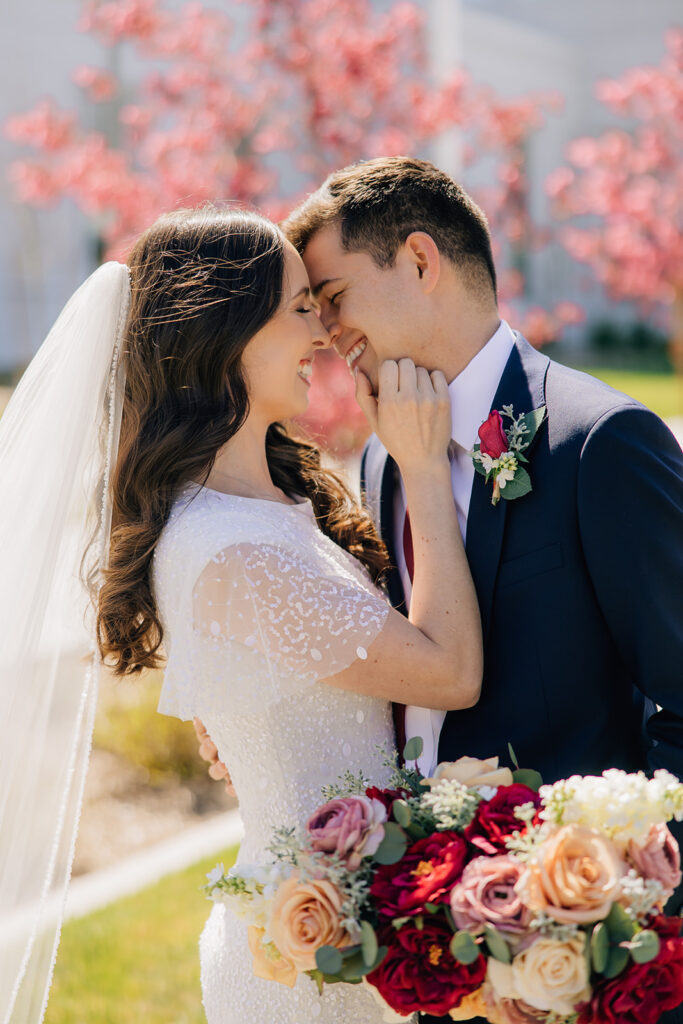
pixel 411 414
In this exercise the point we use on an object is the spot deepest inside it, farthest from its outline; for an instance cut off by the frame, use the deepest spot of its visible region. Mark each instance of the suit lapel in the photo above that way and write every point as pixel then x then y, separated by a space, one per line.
pixel 386 521
pixel 522 386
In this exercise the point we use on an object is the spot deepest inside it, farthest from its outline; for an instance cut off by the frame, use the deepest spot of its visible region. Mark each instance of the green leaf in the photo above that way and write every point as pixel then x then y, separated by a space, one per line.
pixel 480 469
pixel 328 960
pixel 401 813
pixel 532 421
pixel 513 756
pixel 518 486
pixel 619 925
pixel 398 922
pixel 616 961
pixel 369 945
pixel 317 978
pixel 599 947
pixel 432 908
pixel 645 946
pixel 393 846
pixel 416 831
pixel 413 749
pixel 528 777
pixel 463 948
pixel 497 945
pixel 419 922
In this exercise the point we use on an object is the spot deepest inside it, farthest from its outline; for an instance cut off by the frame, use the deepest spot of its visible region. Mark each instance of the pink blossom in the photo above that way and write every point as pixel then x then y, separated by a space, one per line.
pixel 351 827
pixel 658 857
pixel 486 894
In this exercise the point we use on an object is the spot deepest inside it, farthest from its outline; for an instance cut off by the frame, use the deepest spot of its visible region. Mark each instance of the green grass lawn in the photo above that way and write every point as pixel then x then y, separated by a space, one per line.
pixel 661 392
pixel 137 961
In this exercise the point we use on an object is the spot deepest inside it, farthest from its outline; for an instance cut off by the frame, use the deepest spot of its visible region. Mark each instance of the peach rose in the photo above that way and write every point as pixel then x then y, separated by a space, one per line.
pixel 472 1005
pixel 553 975
pixel 269 963
pixel 573 877
pixel 658 857
pixel 306 916
pixel 471 771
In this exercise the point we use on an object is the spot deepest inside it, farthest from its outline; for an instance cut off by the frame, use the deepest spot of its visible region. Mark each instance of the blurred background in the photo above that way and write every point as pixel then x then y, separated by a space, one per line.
pixel 564 120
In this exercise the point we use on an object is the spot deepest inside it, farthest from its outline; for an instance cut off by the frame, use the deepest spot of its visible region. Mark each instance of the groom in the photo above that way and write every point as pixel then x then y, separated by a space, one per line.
pixel 580 580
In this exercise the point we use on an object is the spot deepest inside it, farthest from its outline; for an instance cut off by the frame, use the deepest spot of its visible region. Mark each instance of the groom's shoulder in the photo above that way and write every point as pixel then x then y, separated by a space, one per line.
pixel 577 402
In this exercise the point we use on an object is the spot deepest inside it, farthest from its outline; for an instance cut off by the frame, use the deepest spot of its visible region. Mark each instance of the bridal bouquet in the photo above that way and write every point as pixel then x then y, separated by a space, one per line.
pixel 478 891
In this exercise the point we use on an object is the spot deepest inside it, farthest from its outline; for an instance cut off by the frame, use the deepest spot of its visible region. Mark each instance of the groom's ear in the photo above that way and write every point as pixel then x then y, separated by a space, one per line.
pixel 423 254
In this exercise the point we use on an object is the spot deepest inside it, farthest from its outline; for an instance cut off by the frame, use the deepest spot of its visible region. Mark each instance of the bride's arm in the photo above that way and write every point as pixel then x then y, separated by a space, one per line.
pixel 434 658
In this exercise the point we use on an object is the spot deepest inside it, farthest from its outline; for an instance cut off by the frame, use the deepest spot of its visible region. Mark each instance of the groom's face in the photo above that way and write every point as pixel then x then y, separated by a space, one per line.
pixel 371 313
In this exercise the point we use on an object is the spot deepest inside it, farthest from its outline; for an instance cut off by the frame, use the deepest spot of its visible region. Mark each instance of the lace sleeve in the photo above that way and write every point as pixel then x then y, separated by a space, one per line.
pixel 269 623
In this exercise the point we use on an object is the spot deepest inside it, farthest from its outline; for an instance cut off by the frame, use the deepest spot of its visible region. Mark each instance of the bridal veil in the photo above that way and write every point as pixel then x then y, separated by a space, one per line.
pixel 58 437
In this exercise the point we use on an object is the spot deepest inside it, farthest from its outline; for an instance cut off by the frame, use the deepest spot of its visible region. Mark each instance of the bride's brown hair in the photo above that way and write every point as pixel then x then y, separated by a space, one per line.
pixel 203 282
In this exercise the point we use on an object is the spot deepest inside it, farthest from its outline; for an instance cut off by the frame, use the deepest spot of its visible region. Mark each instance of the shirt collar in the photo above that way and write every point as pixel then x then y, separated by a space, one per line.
pixel 473 390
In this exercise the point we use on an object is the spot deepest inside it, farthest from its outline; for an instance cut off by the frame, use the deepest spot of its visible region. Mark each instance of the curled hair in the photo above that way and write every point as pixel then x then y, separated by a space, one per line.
pixel 203 282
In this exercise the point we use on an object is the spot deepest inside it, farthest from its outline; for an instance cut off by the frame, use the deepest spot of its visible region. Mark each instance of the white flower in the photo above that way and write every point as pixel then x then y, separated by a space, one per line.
pixel 488 462
pixel 216 874
pixel 617 803
pixel 504 476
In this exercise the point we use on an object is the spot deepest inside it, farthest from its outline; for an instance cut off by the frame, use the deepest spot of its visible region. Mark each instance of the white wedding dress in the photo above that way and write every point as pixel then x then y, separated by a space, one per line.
pixel 258 608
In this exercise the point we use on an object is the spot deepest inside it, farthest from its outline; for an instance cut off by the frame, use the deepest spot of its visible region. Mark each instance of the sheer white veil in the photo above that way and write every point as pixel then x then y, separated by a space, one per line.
pixel 58 437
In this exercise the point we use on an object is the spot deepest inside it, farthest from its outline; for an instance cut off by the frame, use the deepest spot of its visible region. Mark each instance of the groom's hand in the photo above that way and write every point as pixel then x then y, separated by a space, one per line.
pixel 208 751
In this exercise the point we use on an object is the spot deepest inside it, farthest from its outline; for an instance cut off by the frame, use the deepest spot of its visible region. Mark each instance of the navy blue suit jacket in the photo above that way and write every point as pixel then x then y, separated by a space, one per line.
pixel 580 584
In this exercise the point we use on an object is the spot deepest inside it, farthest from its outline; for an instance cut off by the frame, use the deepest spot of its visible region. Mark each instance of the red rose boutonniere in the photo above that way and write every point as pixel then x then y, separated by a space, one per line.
pixel 499 454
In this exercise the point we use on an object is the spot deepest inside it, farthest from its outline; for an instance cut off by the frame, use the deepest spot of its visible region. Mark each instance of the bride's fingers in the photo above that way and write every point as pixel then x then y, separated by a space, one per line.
pixel 439 383
pixel 407 377
pixel 366 400
pixel 424 381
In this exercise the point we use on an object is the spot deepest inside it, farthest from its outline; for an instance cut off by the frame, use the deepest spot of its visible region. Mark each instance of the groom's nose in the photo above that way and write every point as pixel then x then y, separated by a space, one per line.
pixel 330 321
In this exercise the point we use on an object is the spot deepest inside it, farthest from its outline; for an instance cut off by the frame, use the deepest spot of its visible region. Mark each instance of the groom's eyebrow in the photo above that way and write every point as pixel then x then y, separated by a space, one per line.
pixel 316 290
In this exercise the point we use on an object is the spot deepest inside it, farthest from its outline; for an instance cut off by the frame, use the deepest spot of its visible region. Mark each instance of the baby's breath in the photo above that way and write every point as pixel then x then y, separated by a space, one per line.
pixel 348 784
pixel 552 929
pixel 641 895
pixel 451 803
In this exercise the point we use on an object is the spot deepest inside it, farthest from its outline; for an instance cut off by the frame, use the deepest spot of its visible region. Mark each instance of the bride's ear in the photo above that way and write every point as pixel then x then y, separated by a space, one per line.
pixel 423 254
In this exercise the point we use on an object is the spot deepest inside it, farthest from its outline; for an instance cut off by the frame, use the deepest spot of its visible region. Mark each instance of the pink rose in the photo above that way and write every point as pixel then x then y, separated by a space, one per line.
pixel 486 894
pixel 350 826
pixel 658 857
pixel 492 436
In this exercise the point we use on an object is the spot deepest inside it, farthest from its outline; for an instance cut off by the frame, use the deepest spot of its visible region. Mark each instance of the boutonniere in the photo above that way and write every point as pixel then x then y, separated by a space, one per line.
pixel 499 454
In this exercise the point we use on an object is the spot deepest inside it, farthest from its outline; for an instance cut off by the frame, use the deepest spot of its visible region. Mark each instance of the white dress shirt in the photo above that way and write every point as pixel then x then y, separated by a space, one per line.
pixel 471 394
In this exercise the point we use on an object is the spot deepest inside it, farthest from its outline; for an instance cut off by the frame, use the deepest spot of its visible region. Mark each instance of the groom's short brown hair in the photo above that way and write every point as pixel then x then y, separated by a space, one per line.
pixel 378 203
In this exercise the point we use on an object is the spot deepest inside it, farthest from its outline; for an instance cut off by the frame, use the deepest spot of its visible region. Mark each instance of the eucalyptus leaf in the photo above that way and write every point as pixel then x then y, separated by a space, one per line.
pixel 619 925
pixel 463 948
pixel 513 756
pixel 599 947
pixel 401 813
pixel 497 946
pixel 328 960
pixel 532 421
pixel 432 908
pixel 398 922
pixel 616 961
pixel 528 777
pixel 518 486
pixel 645 946
pixel 369 945
pixel 413 748
pixel 393 846
pixel 416 831
pixel 317 978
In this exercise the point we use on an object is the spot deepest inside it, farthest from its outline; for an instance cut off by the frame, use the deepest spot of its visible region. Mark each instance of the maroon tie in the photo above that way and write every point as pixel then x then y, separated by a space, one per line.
pixel 399 710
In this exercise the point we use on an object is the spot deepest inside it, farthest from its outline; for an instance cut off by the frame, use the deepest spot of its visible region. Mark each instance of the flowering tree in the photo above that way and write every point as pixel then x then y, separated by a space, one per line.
pixel 628 185
pixel 257 109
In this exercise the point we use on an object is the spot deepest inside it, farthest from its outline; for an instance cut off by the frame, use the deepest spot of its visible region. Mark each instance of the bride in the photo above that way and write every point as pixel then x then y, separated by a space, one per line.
pixel 247 570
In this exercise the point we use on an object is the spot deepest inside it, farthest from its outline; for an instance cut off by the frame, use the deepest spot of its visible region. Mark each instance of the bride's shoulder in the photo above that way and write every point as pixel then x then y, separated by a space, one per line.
pixel 202 522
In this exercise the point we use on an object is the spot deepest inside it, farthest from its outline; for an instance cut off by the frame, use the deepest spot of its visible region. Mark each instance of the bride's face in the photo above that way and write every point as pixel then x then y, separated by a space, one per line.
pixel 278 360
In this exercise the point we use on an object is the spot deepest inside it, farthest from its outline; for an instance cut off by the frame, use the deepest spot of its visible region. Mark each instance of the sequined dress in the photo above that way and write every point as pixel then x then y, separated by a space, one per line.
pixel 258 608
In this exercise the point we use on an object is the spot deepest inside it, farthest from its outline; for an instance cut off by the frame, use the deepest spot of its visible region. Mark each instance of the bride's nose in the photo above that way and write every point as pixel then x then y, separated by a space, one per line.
pixel 321 338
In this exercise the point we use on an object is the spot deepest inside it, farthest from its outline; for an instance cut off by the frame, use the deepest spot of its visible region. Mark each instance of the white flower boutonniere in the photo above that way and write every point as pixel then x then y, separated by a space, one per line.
pixel 499 453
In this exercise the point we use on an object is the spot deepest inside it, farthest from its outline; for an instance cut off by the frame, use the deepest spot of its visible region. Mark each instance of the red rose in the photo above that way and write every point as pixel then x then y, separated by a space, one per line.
pixel 492 436
pixel 425 874
pixel 642 992
pixel 419 973
pixel 495 819
pixel 387 796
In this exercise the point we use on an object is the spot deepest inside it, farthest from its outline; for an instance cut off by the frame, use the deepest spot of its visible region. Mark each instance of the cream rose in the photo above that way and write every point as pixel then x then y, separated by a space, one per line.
pixel 471 772
pixel 269 963
pixel 553 975
pixel 573 877
pixel 304 917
